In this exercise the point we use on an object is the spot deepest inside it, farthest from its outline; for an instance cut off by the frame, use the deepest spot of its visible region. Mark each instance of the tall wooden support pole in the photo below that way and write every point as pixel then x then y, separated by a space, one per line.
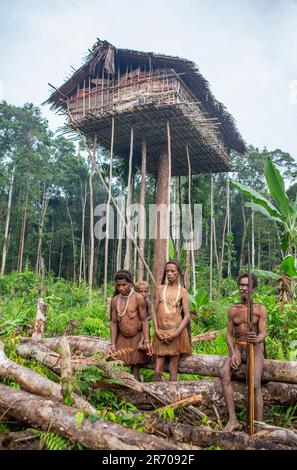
pixel 107 211
pixel 211 238
pixel 127 262
pixel 191 220
pixel 228 224
pixel 169 187
pixel 160 252
pixel 141 223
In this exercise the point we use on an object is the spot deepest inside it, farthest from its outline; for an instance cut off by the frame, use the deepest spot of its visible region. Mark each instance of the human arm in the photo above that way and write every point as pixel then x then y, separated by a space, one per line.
pixel 234 353
pixel 159 335
pixel 113 326
pixel 253 337
pixel 145 324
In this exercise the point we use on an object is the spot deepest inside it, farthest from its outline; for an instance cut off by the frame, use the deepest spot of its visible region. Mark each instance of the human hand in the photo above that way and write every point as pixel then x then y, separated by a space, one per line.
pixel 112 349
pixel 235 360
pixel 171 337
pixel 253 338
pixel 160 335
pixel 148 348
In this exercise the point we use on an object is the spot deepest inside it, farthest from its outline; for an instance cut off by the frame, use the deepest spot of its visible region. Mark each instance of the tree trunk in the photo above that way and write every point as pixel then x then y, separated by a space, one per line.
pixel 107 211
pixel 91 262
pixel 204 436
pixel 82 258
pixel 22 237
pixel 35 383
pixel 6 232
pixel 244 234
pixel 210 391
pixel 141 223
pixel 61 257
pixel 211 241
pixel 121 229
pixel 160 252
pixel 221 258
pixel 228 225
pixel 127 262
pixel 44 207
pixel 200 364
pixel 73 241
pixel 253 240
pixel 45 414
pixel 191 220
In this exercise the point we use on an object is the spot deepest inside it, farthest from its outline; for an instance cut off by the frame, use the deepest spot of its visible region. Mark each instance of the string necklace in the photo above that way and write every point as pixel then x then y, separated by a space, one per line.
pixel 127 298
pixel 174 303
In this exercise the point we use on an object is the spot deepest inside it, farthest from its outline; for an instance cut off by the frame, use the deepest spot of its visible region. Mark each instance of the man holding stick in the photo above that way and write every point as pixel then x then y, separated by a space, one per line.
pixel 240 332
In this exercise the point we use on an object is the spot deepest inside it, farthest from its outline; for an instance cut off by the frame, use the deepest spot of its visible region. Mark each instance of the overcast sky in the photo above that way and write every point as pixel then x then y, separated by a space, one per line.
pixel 246 49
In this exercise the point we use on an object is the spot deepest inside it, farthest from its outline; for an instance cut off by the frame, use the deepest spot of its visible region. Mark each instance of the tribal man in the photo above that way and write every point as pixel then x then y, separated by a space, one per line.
pixel 128 323
pixel 238 338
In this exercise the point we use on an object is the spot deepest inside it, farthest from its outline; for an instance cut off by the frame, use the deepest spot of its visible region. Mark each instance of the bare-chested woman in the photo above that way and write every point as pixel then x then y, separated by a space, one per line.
pixel 171 336
pixel 128 322
pixel 238 338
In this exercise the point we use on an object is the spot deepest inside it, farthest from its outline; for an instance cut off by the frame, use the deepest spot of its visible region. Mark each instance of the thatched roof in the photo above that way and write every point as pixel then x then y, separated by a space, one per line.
pixel 190 75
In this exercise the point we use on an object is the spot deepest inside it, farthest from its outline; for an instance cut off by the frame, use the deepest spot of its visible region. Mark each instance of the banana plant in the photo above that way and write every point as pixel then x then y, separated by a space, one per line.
pixel 284 212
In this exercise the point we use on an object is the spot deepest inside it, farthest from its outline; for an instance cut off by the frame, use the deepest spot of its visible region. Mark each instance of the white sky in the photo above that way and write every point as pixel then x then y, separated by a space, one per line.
pixel 246 49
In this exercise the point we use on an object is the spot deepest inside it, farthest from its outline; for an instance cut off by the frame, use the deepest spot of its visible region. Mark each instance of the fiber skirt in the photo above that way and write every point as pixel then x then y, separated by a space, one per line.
pixel 179 345
pixel 130 355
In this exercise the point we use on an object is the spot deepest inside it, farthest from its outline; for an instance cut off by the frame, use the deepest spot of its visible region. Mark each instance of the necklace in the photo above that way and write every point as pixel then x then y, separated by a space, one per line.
pixel 121 314
pixel 174 303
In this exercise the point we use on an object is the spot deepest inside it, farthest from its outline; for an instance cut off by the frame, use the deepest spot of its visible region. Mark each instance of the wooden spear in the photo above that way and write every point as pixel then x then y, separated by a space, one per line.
pixel 251 362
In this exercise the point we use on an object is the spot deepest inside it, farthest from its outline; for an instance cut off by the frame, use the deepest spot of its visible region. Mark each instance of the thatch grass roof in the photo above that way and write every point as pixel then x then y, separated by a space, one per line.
pixel 132 59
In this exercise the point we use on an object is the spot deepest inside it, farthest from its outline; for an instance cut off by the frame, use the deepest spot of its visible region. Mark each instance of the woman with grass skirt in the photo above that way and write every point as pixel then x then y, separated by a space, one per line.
pixel 171 317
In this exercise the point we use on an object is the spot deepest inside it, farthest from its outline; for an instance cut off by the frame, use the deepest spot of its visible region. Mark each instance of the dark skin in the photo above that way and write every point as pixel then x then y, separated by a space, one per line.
pixel 173 278
pixel 136 302
pixel 238 327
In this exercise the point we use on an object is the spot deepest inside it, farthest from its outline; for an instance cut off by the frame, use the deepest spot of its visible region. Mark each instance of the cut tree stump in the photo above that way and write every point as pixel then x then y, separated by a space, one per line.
pixel 51 415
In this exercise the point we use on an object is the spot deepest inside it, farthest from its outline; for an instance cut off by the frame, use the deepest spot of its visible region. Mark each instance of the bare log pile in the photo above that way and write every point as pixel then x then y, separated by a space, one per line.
pixel 200 364
pixel 49 414
pixel 210 390
pixel 204 436
pixel 80 352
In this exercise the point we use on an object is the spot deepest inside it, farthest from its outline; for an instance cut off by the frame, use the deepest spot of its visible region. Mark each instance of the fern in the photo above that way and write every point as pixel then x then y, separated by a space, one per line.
pixel 53 441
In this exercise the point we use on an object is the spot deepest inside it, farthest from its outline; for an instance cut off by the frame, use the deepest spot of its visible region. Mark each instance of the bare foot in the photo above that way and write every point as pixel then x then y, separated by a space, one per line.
pixel 232 425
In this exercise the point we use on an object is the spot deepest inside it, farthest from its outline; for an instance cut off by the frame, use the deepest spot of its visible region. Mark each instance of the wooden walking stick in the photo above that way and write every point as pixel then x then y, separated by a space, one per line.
pixel 251 362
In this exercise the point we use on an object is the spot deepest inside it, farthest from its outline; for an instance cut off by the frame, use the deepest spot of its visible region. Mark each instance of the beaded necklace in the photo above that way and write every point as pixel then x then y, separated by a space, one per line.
pixel 127 298
pixel 174 303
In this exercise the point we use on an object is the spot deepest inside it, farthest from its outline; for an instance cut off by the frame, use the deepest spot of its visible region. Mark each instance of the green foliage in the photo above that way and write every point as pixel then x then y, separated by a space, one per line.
pixel 167 414
pixel 53 441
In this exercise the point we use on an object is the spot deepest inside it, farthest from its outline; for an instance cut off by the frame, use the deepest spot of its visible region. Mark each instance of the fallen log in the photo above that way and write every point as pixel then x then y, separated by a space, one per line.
pixel 204 436
pixel 48 414
pixel 200 364
pixel 40 353
pixel 35 383
pixel 208 336
pixel 210 390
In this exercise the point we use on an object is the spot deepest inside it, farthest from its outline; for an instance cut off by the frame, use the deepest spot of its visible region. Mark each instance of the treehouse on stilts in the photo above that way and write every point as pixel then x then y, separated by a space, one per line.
pixel 154 111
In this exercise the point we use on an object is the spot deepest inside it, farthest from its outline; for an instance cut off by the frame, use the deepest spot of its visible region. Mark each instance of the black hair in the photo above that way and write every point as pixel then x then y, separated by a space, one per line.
pixel 122 275
pixel 253 277
pixel 176 263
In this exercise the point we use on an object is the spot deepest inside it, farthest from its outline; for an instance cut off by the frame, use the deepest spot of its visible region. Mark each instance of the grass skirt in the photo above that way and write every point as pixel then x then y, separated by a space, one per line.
pixel 136 356
pixel 179 345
